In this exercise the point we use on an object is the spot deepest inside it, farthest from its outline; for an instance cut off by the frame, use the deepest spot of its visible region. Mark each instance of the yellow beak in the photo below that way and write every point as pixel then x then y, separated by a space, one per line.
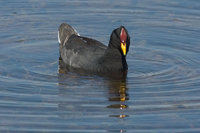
pixel 123 47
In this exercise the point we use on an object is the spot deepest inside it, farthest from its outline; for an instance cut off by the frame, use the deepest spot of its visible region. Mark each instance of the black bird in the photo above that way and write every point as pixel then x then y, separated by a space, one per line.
pixel 91 55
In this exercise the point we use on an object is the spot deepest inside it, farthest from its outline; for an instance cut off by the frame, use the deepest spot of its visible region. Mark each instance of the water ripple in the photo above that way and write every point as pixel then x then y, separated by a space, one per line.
pixel 160 93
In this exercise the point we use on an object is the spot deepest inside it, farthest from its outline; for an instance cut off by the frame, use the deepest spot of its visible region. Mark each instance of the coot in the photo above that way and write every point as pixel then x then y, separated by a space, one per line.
pixel 91 55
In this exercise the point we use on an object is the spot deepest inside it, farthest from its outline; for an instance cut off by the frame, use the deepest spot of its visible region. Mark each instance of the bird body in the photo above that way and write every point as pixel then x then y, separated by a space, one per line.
pixel 90 55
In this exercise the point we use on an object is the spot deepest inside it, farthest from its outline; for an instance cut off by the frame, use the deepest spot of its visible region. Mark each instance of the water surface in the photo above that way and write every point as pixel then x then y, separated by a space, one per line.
pixel 161 91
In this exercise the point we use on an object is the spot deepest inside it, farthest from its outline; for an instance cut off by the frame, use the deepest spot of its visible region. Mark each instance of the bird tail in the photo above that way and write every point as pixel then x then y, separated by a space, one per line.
pixel 64 32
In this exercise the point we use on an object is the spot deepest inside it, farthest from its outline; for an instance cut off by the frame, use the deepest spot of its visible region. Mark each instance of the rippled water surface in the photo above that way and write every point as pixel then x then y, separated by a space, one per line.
pixel 160 94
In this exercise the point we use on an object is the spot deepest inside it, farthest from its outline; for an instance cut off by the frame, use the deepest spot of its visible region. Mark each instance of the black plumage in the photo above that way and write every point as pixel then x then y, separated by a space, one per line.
pixel 91 55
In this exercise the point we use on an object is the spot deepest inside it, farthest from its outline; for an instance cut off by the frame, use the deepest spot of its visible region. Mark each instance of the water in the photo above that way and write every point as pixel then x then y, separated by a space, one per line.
pixel 160 94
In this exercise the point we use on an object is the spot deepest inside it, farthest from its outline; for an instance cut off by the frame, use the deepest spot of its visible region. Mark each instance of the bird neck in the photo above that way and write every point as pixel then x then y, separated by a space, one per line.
pixel 113 57
pixel 124 63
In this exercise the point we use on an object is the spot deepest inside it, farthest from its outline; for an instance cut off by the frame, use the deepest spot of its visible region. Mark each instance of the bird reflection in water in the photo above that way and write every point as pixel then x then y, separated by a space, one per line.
pixel 118 94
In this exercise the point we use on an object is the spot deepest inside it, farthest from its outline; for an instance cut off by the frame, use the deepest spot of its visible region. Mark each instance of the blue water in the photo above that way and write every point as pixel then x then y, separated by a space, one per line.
pixel 160 94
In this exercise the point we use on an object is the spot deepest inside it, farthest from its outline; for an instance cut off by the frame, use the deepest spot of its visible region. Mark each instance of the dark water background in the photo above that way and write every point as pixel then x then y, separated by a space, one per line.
pixel 160 94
